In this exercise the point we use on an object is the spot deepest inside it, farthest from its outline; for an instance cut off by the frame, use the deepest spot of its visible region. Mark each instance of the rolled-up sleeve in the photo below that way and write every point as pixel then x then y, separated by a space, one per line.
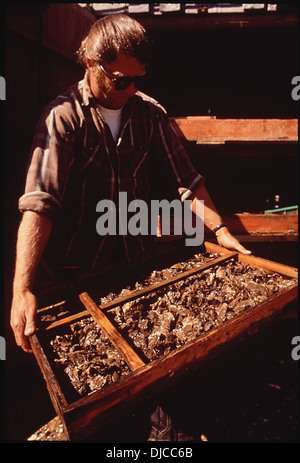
pixel 169 144
pixel 52 155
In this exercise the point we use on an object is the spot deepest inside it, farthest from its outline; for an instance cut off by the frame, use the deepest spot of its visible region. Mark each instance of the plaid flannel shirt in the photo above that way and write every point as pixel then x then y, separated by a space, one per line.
pixel 75 163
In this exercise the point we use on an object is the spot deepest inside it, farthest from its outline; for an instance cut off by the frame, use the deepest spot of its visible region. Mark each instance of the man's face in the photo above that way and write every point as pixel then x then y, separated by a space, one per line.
pixel 104 89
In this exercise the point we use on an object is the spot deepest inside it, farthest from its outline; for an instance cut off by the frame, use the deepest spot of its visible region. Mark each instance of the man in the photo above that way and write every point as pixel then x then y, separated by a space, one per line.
pixel 99 138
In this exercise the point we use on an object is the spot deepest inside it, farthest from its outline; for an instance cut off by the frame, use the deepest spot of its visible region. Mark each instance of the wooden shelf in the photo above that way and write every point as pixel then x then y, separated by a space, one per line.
pixel 210 130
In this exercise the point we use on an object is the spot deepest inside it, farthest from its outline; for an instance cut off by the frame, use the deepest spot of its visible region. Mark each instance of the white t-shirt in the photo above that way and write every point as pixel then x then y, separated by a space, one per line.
pixel 113 119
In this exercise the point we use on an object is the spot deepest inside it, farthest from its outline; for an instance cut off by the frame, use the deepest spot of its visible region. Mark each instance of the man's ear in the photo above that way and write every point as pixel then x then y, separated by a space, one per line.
pixel 90 64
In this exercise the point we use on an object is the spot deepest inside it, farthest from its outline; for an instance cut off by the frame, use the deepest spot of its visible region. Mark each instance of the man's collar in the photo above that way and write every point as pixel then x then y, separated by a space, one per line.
pixel 88 97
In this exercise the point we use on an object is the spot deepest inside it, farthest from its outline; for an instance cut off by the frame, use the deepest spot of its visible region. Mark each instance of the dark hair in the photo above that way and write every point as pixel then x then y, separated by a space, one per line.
pixel 112 34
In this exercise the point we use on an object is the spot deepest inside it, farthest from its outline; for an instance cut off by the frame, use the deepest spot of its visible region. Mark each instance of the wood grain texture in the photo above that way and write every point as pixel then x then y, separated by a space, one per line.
pixel 122 346
pixel 88 414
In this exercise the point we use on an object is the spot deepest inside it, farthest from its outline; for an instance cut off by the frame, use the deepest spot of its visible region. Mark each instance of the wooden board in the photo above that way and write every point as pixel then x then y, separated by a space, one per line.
pixel 88 414
pixel 210 130
pixel 266 224
pixel 246 226
pixel 122 346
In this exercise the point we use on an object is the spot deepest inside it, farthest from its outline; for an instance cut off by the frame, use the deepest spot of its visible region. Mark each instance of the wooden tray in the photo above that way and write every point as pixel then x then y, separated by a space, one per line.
pixel 83 416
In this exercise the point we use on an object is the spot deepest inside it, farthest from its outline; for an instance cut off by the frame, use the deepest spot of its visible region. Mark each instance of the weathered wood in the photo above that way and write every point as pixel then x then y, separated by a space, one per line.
pixel 48 374
pixel 50 307
pixel 92 412
pixel 284 224
pixel 122 346
pixel 67 320
pixel 46 25
pixel 256 262
pixel 247 227
pixel 266 264
pixel 267 238
pixel 210 130
pixel 57 397
pixel 218 21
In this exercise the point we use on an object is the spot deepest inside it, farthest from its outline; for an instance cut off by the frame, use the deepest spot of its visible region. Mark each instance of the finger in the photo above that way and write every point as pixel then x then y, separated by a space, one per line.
pixel 246 252
pixel 29 327
pixel 18 327
pixel 233 244
pixel 26 346
pixel 21 339
pixel 243 250
pixel 23 342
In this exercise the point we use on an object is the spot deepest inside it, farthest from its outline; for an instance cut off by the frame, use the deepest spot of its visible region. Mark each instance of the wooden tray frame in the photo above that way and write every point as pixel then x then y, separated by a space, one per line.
pixel 89 414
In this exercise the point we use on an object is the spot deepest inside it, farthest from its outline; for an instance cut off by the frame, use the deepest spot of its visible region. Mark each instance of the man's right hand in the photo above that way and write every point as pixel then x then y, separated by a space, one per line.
pixel 23 315
pixel 33 235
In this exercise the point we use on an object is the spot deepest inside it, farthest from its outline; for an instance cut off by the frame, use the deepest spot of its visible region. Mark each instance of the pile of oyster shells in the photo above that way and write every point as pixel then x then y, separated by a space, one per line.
pixel 170 317
pixel 164 319
pixel 88 357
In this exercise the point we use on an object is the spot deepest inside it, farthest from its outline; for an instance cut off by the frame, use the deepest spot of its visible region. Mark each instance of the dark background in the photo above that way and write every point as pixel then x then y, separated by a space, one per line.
pixel 228 72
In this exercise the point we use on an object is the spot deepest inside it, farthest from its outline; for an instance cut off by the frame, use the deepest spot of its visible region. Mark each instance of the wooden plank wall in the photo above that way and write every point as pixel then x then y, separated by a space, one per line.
pixel 58 26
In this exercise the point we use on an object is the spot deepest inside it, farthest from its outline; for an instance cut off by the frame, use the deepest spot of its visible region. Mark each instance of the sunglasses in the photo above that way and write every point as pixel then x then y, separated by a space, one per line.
pixel 121 83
